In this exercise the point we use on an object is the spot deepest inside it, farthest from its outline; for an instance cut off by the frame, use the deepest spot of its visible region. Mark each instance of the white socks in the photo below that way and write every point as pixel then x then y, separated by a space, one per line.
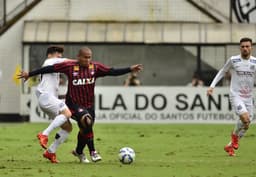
pixel 57 122
pixel 239 129
pixel 61 136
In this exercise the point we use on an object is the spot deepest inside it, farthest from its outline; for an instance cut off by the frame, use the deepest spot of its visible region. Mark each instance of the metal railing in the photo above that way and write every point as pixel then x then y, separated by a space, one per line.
pixel 7 18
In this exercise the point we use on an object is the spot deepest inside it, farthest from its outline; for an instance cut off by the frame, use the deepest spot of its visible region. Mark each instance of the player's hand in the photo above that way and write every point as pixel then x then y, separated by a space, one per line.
pixel 23 75
pixel 209 91
pixel 136 68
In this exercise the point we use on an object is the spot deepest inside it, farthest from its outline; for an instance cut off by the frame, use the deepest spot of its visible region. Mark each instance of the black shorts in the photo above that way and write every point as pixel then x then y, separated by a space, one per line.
pixel 79 111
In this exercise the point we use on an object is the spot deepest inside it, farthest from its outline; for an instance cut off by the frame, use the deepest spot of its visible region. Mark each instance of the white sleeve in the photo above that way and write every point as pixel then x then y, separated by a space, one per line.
pixel 221 73
pixel 60 60
pixel 53 61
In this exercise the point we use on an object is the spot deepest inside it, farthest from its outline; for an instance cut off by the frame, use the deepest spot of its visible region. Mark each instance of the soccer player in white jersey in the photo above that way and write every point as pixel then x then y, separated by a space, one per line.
pixel 47 93
pixel 243 73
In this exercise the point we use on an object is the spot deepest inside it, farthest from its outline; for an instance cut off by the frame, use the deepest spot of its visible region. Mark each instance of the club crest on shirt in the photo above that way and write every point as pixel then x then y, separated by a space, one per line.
pixel 91 68
pixel 76 68
pixel 252 67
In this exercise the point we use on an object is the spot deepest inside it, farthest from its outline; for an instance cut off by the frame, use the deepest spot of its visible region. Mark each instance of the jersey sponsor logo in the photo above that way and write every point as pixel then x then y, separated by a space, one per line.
pixel 252 61
pixel 236 60
pixel 244 73
pixel 80 110
pixel 84 81
pixel 75 73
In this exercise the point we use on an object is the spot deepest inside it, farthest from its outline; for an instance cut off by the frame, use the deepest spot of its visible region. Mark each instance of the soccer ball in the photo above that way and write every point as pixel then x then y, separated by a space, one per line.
pixel 126 155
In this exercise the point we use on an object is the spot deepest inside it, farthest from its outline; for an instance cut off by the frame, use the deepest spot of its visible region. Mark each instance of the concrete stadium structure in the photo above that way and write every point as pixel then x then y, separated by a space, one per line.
pixel 172 38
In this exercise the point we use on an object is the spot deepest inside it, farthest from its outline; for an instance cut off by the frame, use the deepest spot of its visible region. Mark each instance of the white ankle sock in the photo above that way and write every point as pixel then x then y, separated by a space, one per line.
pixel 57 122
pixel 239 129
pixel 62 135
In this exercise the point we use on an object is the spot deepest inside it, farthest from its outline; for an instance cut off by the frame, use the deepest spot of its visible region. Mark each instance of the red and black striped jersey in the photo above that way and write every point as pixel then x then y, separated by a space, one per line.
pixel 81 80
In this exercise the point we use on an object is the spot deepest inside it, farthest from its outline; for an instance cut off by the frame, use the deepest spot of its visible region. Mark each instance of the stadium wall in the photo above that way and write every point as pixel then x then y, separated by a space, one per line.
pixel 13 52
pixel 116 10
pixel 11 47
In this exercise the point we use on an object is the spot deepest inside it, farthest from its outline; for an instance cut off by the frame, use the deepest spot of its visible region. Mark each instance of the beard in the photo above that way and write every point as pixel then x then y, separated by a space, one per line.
pixel 245 54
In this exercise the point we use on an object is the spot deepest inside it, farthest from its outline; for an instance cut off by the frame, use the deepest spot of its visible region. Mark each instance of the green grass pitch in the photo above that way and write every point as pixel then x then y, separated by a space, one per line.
pixel 162 150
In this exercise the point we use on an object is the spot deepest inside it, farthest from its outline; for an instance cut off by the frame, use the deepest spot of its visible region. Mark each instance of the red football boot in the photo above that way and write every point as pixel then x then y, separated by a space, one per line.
pixel 234 141
pixel 51 156
pixel 229 149
pixel 43 140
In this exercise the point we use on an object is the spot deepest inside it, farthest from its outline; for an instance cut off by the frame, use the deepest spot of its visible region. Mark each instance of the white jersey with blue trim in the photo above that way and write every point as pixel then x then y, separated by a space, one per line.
pixel 243 72
pixel 50 82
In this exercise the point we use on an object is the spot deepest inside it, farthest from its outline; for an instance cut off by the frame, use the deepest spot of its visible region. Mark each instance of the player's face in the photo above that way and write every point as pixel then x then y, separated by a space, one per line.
pixel 246 48
pixel 85 58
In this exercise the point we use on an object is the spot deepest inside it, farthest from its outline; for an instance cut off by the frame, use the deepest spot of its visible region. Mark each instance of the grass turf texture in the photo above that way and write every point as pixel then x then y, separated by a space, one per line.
pixel 165 150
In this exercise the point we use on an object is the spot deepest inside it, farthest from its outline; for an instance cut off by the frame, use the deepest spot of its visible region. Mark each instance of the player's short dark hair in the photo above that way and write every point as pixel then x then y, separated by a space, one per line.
pixel 54 49
pixel 246 39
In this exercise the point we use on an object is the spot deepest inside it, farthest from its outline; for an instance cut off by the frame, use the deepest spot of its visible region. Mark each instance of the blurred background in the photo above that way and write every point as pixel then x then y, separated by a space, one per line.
pixel 175 40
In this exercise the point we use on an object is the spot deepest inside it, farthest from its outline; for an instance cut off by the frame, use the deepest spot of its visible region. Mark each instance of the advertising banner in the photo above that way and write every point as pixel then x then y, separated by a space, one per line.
pixel 155 105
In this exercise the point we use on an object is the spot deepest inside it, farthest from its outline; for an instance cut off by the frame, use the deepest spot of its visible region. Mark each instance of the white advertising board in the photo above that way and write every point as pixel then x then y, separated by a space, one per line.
pixel 155 105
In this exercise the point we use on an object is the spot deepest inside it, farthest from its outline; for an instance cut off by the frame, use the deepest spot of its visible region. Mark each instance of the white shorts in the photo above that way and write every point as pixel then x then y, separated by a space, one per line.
pixel 51 105
pixel 242 105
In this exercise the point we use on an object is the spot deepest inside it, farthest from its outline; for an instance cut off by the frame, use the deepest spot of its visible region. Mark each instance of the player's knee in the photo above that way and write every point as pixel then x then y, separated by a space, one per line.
pixel 246 124
pixel 86 121
pixel 67 113
pixel 245 118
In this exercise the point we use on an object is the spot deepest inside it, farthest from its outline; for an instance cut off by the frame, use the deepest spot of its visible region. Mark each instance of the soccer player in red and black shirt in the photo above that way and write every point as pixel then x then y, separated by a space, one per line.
pixel 82 74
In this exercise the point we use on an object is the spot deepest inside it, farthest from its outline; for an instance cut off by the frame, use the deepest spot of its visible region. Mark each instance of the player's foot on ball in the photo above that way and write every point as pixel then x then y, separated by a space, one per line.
pixel 95 156
pixel 234 141
pixel 81 157
pixel 229 149
pixel 43 140
pixel 51 156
